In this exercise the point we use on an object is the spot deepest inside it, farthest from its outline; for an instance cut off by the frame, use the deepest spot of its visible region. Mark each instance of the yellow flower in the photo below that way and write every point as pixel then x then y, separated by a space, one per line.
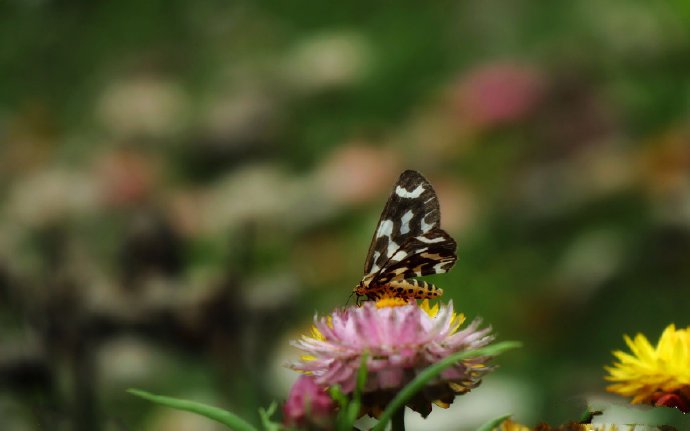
pixel 509 425
pixel 654 375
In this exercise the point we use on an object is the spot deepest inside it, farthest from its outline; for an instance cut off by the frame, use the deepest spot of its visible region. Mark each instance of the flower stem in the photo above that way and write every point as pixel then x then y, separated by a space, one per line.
pixel 398 420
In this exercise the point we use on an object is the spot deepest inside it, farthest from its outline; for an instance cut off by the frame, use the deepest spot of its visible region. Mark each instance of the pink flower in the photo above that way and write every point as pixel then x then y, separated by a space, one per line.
pixel 308 405
pixel 399 342
pixel 499 94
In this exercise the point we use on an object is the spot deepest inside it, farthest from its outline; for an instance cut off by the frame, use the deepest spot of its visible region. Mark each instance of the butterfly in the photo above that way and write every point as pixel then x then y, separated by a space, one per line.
pixel 408 242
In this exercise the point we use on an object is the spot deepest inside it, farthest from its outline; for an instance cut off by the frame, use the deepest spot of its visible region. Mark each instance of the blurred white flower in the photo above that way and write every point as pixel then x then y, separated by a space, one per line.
pixel 328 61
pixel 50 196
pixel 147 106
pixel 258 193
pixel 241 116
pixel 126 361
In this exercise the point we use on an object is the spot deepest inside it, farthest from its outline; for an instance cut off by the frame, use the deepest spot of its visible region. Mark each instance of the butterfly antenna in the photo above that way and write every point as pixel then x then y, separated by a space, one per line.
pixel 348 298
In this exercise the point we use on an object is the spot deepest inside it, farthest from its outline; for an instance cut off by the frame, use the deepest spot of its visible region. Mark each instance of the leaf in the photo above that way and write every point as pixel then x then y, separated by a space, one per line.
pixel 349 410
pixel 265 415
pixel 434 370
pixel 493 423
pixel 338 395
pixel 225 417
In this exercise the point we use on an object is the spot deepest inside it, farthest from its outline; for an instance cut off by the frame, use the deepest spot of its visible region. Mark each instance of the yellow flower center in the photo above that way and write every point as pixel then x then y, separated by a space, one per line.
pixel 391 302
pixel 458 319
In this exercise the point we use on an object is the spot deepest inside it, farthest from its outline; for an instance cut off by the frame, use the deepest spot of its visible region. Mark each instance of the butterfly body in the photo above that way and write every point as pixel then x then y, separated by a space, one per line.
pixel 417 289
pixel 408 242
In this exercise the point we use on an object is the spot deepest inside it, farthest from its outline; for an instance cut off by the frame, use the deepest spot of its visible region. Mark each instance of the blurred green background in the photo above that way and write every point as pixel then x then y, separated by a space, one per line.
pixel 184 184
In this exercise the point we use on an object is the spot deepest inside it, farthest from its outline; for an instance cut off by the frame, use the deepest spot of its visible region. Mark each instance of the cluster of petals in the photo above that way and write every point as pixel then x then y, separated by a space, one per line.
pixel 658 374
pixel 308 405
pixel 397 342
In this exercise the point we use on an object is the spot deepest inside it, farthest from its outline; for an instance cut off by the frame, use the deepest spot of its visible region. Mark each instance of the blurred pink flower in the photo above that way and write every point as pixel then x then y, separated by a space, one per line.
pixel 498 94
pixel 309 405
pixel 399 342
pixel 357 172
pixel 127 177
pixel 460 204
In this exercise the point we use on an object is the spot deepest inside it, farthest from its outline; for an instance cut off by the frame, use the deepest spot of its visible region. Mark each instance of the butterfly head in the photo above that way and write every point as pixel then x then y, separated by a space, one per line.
pixel 360 289
pixel 364 287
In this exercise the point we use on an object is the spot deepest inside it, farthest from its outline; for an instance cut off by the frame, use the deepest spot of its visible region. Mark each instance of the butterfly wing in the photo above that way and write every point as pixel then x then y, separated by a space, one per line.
pixel 412 210
pixel 431 253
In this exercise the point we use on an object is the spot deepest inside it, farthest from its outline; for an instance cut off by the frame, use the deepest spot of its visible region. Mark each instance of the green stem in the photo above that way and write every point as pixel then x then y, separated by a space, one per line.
pixel 225 417
pixel 398 420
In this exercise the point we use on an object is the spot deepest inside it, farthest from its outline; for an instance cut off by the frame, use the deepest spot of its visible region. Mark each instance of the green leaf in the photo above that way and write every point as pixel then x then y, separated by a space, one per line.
pixel 338 395
pixel 587 416
pixel 493 424
pixel 342 422
pixel 265 415
pixel 350 410
pixel 225 417
pixel 434 370
pixel 356 403
pixel 361 376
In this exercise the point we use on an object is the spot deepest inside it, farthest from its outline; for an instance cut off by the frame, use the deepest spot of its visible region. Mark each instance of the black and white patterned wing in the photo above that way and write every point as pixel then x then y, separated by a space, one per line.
pixel 412 211
pixel 430 253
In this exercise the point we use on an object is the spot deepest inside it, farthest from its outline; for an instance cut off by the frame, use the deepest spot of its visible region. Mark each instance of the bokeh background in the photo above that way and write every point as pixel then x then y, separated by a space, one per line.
pixel 184 184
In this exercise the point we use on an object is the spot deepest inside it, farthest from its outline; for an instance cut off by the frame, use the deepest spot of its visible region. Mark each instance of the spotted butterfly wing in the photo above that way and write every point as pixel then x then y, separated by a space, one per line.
pixel 408 242
pixel 423 255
